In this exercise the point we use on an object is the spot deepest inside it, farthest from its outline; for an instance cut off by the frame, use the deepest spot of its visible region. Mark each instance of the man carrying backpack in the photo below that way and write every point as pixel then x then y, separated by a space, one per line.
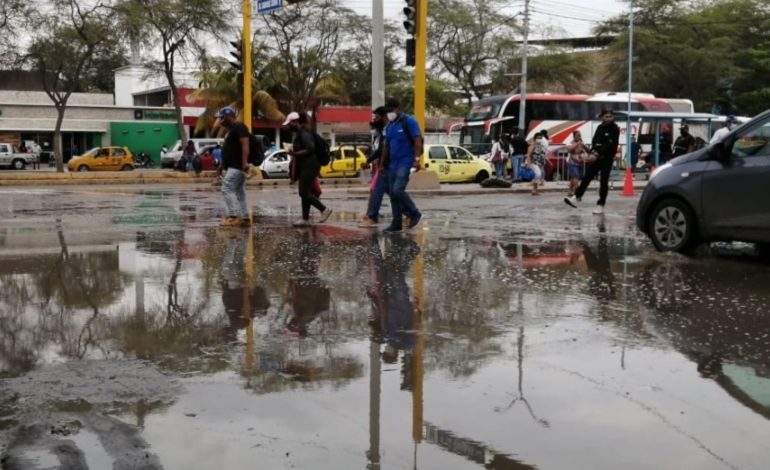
pixel 401 151
pixel 235 164
pixel 306 166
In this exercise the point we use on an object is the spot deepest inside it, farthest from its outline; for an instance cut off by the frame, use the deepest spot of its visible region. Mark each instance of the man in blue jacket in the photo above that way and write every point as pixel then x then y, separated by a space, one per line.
pixel 401 152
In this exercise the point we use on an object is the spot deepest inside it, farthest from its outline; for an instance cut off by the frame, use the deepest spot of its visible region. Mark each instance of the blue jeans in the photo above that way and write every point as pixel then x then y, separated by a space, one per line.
pixel 499 168
pixel 381 188
pixel 400 201
pixel 234 190
pixel 516 166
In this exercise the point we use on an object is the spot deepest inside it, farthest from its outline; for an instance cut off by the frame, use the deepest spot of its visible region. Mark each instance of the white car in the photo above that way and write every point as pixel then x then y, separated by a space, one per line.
pixel 170 159
pixel 276 165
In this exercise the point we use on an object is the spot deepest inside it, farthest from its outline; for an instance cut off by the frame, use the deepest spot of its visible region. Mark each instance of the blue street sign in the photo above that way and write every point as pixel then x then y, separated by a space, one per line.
pixel 268 6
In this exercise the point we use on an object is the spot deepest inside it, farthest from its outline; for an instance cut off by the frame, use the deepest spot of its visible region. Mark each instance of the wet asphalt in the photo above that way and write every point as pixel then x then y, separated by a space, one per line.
pixel 507 332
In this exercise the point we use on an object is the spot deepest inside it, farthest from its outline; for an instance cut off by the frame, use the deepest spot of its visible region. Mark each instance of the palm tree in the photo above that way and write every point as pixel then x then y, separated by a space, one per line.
pixel 219 87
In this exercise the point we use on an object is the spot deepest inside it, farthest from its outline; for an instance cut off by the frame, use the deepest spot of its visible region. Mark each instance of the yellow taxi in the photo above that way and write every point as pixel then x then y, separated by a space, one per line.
pixel 344 162
pixel 454 164
pixel 104 159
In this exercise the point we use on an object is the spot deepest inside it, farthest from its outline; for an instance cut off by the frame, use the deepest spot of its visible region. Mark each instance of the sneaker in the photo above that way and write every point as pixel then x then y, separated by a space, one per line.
pixel 302 223
pixel 325 215
pixel 415 221
pixel 393 229
pixel 599 210
pixel 230 222
pixel 245 222
pixel 572 201
pixel 366 222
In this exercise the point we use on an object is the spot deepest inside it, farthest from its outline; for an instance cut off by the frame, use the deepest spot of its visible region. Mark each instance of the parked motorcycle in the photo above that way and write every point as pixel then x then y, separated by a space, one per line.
pixel 143 160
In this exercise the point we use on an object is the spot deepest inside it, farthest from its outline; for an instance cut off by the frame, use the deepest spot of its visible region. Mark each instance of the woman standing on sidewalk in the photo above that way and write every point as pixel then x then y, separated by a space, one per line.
pixel 535 161
pixel 501 152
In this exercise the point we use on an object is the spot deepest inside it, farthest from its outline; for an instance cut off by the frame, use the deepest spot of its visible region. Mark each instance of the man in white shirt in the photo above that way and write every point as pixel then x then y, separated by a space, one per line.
pixel 721 133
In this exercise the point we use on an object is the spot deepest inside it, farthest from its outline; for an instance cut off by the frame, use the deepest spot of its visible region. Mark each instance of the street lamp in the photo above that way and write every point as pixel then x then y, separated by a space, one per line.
pixel 630 81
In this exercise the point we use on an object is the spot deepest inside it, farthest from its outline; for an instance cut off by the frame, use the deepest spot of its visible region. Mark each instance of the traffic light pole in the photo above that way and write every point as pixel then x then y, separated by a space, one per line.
pixel 378 54
pixel 247 73
pixel 421 53
pixel 523 85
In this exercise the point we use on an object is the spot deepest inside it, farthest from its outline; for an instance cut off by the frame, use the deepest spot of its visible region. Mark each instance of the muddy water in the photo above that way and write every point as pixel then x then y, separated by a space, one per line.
pixel 335 348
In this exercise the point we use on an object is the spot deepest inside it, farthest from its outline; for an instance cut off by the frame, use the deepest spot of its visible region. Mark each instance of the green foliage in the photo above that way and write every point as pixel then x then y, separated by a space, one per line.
pixel 469 41
pixel 716 53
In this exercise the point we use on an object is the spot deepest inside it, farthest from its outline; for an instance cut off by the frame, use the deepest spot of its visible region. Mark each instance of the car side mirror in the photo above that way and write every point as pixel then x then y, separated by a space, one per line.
pixel 720 151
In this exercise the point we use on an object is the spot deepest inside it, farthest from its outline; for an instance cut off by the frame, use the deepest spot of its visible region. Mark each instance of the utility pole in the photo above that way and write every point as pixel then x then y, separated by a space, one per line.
pixel 523 85
pixel 630 80
pixel 378 54
pixel 421 55
pixel 247 65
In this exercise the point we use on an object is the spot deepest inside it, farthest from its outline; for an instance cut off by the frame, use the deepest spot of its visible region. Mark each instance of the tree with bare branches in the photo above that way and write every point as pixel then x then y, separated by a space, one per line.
pixel 175 28
pixel 68 39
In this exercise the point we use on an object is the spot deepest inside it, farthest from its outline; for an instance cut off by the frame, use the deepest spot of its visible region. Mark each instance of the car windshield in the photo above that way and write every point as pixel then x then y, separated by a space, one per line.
pixel 92 153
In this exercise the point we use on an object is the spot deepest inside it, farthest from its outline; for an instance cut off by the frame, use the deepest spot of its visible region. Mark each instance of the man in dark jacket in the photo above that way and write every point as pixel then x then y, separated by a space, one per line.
pixel 604 145
pixel 379 186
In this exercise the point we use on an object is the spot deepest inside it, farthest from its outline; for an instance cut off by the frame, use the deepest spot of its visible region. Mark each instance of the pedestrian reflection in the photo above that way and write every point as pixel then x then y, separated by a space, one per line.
pixel 242 300
pixel 602 282
pixel 309 295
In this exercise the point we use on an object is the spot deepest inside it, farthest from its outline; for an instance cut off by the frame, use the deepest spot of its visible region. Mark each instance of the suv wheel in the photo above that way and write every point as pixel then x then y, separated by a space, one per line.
pixel 672 226
pixel 19 164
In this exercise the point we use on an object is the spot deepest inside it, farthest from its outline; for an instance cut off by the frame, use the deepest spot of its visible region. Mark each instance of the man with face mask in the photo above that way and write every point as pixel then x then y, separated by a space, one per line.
pixel 235 164
pixel 402 151
pixel 306 166
pixel 379 185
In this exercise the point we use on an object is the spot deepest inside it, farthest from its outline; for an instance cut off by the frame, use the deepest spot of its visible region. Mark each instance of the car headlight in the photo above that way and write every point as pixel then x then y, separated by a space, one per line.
pixel 659 169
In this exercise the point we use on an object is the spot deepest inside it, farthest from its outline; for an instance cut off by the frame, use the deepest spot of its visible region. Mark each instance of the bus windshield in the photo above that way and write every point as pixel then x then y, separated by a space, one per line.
pixel 486 108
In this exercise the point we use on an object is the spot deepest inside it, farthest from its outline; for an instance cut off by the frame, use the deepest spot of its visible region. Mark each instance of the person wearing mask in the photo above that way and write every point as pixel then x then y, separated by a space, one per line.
pixel 604 145
pixel 685 143
pixel 722 133
pixel 520 149
pixel 535 161
pixel 501 152
pixel 235 164
pixel 379 185
pixel 306 167
pixel 578 152
pixel 402 151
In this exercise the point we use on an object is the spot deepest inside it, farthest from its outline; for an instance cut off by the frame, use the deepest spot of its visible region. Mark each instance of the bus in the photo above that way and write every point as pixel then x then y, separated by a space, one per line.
pixel 560 115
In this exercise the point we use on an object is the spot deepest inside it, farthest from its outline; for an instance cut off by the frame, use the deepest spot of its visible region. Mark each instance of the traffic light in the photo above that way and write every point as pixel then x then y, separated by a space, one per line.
pixel 410 10
pixel 237 53
pixel 411 48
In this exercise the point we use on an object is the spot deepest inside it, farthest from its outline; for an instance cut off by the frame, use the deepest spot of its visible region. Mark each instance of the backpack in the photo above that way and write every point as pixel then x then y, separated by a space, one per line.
pixel 412 137
pixel 321 150
pixel 256 150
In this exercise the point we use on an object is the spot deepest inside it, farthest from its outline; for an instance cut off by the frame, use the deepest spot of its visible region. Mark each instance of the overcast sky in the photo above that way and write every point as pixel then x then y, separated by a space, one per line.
pixel 563 17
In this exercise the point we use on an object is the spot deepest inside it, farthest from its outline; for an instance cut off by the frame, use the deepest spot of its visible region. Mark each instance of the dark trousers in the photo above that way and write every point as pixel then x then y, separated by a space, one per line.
pixel 308 174
pixel 603 168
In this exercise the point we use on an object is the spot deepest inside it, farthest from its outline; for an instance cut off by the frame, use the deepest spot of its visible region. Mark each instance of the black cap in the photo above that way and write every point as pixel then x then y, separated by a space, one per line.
pixel 392 103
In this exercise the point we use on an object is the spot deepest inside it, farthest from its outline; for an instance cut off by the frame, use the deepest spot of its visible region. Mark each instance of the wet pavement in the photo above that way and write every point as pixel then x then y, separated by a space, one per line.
pixel 508 332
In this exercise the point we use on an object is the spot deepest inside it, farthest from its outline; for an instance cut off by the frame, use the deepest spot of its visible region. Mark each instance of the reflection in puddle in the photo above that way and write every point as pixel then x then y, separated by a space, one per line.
pixel 486 351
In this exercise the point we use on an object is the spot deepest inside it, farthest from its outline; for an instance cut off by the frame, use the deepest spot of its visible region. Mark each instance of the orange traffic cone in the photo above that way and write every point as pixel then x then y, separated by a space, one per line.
pixel 628 184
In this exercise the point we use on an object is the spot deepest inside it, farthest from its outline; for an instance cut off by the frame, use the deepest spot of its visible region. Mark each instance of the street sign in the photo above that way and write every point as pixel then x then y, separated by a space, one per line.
pixel 268 6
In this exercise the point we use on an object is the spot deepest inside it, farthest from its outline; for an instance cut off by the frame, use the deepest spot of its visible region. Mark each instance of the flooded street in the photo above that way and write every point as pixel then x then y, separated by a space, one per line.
pixel 507 333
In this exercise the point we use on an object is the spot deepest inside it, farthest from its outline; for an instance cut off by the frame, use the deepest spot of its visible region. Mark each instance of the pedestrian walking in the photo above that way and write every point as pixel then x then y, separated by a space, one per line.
pixel 535 161
pixel 722 133
pixel 520 148
pixel 604 145
pixel 379 185
pixel 306 167
pixel 402 152
pixel 501 152
pixel 189 155
pixel 685 143
pixel 576 161
pixel 235 164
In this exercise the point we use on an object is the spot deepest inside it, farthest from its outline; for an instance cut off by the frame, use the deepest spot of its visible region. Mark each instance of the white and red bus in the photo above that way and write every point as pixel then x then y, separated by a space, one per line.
pixel 560 115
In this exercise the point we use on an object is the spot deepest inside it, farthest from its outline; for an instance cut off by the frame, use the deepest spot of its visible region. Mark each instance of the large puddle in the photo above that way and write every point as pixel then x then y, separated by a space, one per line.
pixel 334 348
